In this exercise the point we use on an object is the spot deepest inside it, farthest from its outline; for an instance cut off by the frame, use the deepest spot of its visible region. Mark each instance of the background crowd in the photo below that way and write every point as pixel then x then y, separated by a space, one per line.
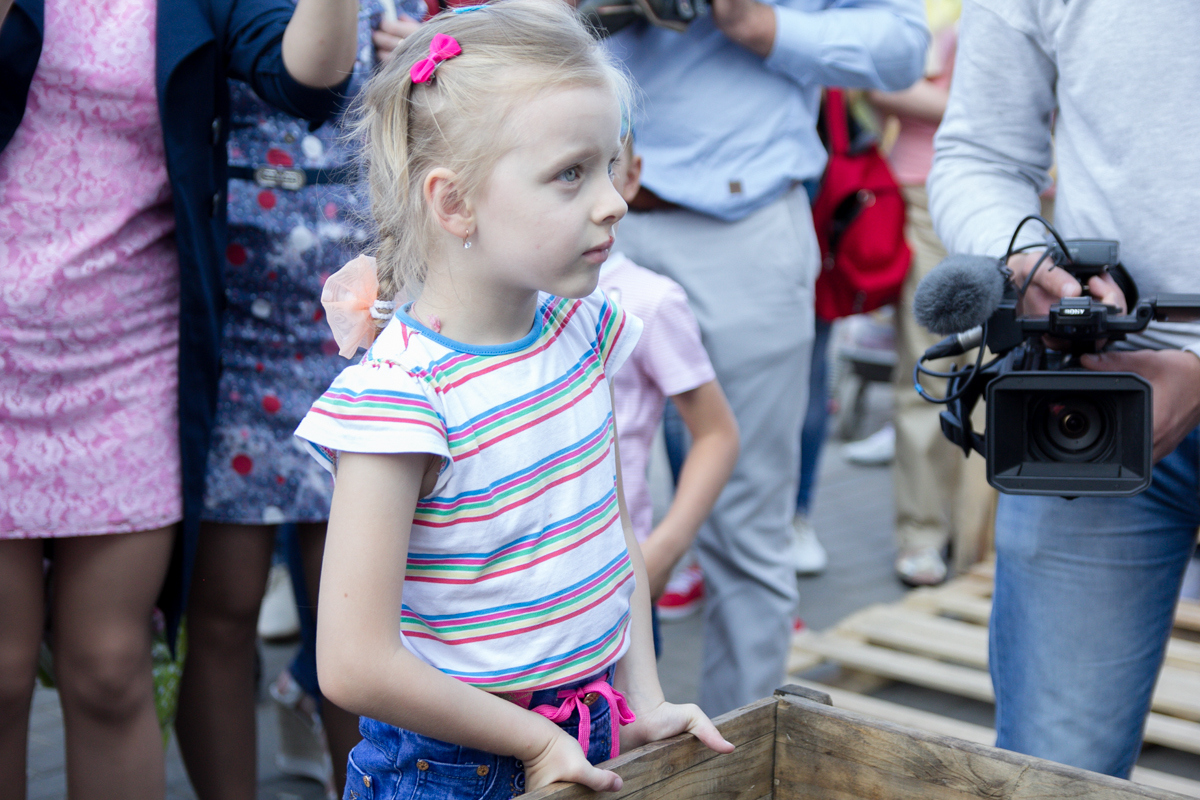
pixel 176 186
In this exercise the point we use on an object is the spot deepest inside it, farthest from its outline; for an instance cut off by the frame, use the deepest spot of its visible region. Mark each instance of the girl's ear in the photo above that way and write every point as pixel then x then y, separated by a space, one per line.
pixel 451 210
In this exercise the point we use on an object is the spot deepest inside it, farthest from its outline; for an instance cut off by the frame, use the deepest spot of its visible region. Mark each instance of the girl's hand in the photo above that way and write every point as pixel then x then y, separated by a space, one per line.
pixel 390 33
pixel 668 719
pixel 563 760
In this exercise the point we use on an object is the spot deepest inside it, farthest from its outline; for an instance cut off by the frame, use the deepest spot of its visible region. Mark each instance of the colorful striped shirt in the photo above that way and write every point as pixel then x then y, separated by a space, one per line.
pixel 517 576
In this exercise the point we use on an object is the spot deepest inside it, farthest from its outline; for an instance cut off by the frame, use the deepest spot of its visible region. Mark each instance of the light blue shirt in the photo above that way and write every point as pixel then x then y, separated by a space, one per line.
pixel 723 131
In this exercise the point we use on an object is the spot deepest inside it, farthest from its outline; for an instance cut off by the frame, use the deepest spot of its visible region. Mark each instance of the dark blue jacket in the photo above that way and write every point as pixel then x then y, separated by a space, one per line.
pixel 200 45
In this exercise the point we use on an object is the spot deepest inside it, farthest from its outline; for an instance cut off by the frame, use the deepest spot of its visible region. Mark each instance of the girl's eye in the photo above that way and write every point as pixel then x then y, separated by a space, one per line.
pixel 570 174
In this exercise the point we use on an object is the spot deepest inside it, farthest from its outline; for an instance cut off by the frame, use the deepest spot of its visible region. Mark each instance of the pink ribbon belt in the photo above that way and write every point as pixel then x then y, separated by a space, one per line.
pixel 581 699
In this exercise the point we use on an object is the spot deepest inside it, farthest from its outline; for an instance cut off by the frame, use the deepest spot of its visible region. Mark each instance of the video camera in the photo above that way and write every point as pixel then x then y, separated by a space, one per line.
pixel 606 17
pixel 1053 427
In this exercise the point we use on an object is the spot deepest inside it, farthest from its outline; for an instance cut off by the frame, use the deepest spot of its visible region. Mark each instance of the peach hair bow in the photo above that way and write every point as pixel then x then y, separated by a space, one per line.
pixel 350 298
pixel 442 48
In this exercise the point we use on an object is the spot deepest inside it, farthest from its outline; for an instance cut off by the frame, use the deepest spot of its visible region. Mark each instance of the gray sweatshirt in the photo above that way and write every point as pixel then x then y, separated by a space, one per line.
pixel 1120 81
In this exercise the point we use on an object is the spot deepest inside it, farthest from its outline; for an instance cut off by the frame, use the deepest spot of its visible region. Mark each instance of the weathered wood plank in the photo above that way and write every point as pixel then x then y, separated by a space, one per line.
pixel 912 631
pixel 1161 729
pixel 980 734
pixel 984 569
pixel 836 754
pixel 948 601
pixel 751 729
pixel 909 640
pixel 1187 615
pixel 746 774
pixel 1172 732
pixel 896 665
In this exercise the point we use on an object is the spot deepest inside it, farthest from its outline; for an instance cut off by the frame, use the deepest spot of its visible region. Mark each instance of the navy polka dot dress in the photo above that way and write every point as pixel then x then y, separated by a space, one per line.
pixel 278 354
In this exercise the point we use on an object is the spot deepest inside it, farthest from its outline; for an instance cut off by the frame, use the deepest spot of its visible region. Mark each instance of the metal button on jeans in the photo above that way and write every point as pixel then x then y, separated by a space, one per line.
pixel 590 698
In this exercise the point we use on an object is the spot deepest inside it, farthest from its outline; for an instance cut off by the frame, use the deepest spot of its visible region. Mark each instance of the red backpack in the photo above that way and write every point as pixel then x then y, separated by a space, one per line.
pixel 859 220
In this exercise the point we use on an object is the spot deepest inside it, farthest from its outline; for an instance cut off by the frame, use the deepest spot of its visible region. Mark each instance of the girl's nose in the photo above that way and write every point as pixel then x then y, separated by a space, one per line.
pixel 611 206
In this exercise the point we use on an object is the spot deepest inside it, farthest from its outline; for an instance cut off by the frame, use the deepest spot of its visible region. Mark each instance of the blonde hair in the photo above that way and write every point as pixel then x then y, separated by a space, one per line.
pixel 511 51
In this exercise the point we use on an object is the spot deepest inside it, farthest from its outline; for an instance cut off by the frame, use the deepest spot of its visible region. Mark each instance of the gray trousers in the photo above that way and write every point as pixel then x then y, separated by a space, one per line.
pixel 750 285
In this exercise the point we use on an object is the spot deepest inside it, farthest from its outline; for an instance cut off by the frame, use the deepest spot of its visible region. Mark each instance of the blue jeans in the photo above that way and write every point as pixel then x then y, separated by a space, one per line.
pixel 391 763
pixel 816 416
pixel 1084 599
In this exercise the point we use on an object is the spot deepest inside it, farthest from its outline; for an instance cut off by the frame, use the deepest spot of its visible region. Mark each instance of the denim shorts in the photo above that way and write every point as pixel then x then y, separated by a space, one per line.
pixel 391 763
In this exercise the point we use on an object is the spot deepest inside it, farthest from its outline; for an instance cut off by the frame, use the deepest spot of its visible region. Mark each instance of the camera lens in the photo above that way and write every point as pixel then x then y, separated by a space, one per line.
pixel 1072 426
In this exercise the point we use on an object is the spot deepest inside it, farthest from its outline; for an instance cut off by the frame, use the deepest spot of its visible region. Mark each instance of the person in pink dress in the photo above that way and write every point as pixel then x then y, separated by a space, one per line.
pixel 669 361
pixel 100 243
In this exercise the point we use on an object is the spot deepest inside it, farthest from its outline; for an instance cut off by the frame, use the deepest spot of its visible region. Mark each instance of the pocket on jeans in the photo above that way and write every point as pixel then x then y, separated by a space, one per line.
pixel 369 784
pixel 440 781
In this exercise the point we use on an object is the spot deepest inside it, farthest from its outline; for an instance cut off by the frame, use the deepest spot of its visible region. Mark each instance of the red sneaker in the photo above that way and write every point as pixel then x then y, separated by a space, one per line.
pixel 684 594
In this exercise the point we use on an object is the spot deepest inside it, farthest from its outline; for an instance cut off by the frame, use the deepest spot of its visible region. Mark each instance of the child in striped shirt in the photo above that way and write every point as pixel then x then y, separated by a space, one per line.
pixel 481 581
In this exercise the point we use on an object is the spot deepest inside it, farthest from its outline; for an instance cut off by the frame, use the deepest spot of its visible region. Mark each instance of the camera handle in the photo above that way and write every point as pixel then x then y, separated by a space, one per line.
pixel 1176 307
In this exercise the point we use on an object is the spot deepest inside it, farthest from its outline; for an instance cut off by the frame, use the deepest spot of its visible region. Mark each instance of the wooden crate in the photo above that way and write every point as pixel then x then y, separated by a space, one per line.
pixel 796 746
pixel 937 638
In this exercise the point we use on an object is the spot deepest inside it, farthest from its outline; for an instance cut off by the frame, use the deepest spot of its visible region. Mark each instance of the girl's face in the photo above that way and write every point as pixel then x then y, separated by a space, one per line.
pixel 544 219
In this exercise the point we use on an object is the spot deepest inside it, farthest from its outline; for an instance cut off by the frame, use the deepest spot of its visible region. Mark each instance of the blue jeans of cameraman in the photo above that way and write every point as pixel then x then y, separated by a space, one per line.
pixel 1084 600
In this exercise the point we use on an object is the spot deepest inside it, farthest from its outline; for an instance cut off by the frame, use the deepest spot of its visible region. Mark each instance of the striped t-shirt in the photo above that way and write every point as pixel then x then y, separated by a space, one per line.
pixel 517 576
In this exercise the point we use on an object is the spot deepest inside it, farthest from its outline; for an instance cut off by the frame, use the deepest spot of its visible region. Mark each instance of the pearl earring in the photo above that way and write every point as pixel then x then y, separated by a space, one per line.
pixel 467 242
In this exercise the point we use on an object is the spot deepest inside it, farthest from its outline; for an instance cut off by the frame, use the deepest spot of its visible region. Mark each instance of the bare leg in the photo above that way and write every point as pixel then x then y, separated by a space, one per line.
pixel 341 727
pixel 215 723
pixel 104 592
pixel 20 636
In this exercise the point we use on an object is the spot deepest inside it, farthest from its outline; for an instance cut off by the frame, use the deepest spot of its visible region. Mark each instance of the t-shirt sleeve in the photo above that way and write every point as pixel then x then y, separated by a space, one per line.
pixel 617 333
pixel 373 408
pixel 670 351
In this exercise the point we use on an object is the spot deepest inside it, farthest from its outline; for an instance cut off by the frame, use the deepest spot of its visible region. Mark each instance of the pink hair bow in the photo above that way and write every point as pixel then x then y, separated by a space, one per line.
pixel 442 48
pixel 348 297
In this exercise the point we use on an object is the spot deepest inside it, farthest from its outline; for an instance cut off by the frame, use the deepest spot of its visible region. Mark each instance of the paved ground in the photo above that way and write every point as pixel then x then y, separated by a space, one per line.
pixel 852 515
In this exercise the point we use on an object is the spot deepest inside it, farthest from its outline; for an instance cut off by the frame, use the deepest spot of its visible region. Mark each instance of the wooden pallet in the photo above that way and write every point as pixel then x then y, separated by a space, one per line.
pixel 937 638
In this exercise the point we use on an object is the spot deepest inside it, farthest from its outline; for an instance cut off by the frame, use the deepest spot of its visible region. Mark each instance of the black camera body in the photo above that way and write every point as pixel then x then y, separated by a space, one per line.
pixel 1053 427
pixel 606 17
pixel 1071 432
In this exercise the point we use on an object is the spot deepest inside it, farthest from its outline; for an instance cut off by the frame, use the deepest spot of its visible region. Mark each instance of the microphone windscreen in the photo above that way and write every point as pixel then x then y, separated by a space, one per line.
pixel 958 294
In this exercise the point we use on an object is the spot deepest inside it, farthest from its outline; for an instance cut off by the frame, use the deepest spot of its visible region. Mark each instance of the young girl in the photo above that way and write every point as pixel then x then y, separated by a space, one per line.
pixel 481 582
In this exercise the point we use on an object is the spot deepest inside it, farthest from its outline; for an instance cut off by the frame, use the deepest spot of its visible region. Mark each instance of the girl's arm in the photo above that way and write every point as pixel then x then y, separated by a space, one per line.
pixel 707 467
pixel 320 41
pixel 363 665
pixel 637 671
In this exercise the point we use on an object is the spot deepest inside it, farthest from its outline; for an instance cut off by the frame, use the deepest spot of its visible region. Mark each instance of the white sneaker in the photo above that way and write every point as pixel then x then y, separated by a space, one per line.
pixel 808 555
pixel 877 450
pixel 277 617
pixel 921 567
pixel 303 750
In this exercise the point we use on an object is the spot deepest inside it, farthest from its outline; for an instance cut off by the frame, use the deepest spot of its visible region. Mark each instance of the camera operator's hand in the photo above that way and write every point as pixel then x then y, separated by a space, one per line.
pixel 747 22
pixel 1052 283
pixel 1175 378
